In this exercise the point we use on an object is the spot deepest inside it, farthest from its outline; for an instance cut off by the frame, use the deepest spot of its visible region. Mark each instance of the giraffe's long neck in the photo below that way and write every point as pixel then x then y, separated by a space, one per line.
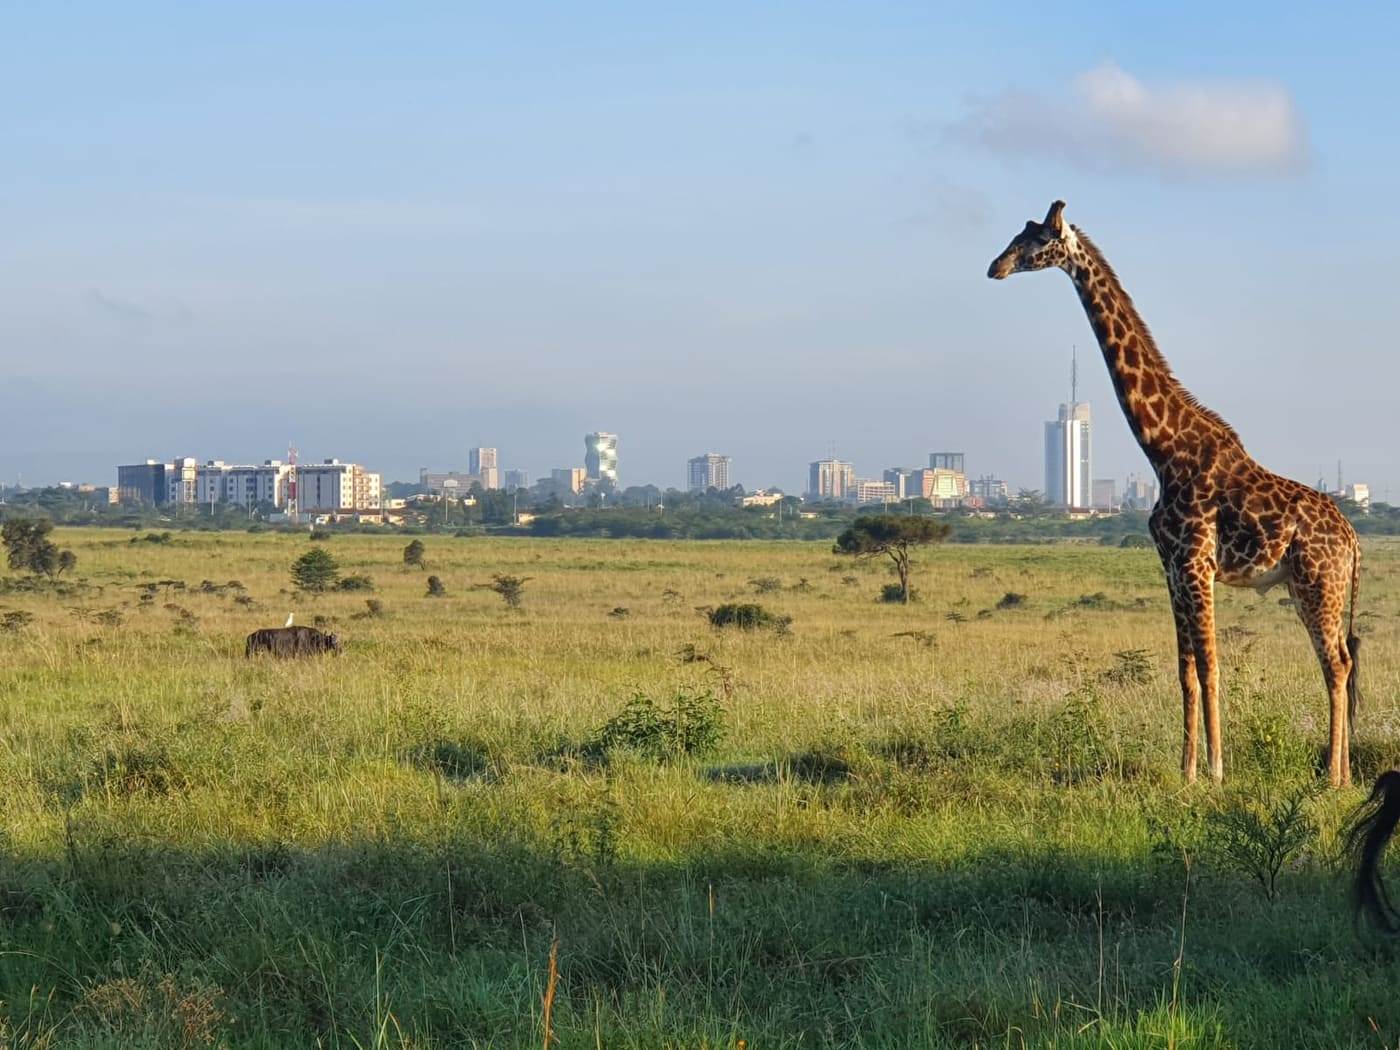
pixel 1158 408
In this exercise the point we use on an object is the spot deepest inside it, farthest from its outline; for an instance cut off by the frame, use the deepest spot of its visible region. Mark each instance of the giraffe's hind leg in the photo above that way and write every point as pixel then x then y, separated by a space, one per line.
pixel 1321 596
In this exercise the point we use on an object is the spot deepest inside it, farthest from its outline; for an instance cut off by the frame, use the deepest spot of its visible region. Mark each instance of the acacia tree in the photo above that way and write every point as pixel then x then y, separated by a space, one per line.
pixel 510 588
pixel 29 549
pixel 893 536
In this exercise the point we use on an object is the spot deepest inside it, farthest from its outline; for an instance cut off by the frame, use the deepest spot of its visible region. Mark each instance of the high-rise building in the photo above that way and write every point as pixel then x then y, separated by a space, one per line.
pixel 993 492
pixel 947 461
pixel 902 481
pixel 1067 458
pixel 484 463
pixel 1139 493
pixel 142 482
pixel 939 485
pixel 600 456
pixel 516 479
pixel 830 479
pixel 569 479
pixel 1105 494
pixel 710 471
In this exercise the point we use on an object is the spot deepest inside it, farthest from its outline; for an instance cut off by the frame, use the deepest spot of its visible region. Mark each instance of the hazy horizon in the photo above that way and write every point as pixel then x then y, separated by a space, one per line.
pixel 390 236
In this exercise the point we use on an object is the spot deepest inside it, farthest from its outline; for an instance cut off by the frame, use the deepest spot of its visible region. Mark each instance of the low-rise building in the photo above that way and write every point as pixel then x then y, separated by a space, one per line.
pixel 868 490
pixel 1104 494
pixel 761 498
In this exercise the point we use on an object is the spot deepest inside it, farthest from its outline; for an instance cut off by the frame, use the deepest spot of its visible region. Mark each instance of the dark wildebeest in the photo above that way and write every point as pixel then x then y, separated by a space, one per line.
pixel 291 641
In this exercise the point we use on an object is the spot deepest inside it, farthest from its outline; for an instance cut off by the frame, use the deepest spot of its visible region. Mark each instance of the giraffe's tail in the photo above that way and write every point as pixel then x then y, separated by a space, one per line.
pixel 1354 641
pixel 1371 829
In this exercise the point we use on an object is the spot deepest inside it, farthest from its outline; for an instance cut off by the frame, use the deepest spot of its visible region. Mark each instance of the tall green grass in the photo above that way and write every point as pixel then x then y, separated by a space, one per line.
pixel 957 823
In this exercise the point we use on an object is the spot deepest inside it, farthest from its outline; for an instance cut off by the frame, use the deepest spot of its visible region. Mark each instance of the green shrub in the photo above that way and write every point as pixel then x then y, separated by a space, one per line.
pixel 747 616
pixel 315 571
pixel 893 594
pixel 1258 836
pixel 1131 667
pixel 691 726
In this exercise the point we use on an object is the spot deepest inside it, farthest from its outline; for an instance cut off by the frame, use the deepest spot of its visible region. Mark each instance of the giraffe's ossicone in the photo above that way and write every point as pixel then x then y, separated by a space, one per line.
pixel 1220 515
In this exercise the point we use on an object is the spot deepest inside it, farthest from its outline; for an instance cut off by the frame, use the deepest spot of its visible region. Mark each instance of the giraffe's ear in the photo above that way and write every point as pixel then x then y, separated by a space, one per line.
pixel 1055 217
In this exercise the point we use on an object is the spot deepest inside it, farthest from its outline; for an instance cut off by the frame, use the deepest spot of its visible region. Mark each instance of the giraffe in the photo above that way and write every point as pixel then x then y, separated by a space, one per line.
pixel 1220 515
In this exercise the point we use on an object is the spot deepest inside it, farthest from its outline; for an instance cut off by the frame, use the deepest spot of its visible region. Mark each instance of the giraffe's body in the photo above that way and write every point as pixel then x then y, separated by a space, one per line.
pixel 1220 515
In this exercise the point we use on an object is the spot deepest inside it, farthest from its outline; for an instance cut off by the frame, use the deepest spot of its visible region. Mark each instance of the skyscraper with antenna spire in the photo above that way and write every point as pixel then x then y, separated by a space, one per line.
pixel 1068 443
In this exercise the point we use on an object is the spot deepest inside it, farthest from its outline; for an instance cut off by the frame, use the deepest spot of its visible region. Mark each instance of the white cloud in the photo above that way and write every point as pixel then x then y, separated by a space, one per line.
pixel 1110 120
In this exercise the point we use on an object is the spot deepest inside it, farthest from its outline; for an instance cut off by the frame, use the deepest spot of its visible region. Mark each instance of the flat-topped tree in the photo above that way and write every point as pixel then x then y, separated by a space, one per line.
pixel 893 536
pixel 1220 515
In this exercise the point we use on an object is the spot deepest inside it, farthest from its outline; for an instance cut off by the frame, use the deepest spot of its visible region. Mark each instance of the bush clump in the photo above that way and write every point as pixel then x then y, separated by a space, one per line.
pixel 747 616
pixel 359 582
pixel 690 726
pixel 893 594
pixel 315 571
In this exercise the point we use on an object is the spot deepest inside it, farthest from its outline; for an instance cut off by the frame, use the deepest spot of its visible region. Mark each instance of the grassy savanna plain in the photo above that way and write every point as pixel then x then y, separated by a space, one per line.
pixel 958 823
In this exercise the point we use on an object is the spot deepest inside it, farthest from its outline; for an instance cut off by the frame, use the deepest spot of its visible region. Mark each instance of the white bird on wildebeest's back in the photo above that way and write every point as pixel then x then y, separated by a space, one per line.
pixel 289 620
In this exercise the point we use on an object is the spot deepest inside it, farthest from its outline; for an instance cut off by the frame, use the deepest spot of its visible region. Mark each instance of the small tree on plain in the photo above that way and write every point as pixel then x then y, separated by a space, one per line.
pixel 29 549
pixel 316 570
pixel 510 588
pixel 436 588
pixel 893 536
pixel 413 555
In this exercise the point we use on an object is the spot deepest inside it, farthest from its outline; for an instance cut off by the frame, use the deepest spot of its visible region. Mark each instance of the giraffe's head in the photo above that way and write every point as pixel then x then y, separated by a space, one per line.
pixel 1038 247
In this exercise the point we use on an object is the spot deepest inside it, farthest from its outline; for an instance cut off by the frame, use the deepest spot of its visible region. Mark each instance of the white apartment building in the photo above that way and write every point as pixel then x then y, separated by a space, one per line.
pixel 830 479
pixel 182 480
pixel 333 486
pixel 867 490
pixel 246 485
pixel 710 471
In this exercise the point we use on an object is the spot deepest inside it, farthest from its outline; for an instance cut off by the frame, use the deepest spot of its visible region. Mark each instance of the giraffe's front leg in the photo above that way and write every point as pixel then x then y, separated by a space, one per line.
pixel 1196 585
pixel 1190 692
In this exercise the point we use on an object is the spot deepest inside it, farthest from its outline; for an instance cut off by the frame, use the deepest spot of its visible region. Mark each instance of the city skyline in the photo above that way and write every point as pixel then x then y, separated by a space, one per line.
pixel 345 206
pixel 851 475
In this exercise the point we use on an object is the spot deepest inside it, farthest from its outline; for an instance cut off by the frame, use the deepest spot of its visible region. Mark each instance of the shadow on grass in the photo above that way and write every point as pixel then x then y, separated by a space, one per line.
pixel 780 944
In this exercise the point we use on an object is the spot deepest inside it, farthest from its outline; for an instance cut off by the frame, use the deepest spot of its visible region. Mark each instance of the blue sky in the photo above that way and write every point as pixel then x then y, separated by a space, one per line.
pixel 391 233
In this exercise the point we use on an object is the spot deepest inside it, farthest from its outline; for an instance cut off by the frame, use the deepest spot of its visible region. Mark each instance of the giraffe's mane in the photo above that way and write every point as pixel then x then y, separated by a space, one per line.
pixel 1149 344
